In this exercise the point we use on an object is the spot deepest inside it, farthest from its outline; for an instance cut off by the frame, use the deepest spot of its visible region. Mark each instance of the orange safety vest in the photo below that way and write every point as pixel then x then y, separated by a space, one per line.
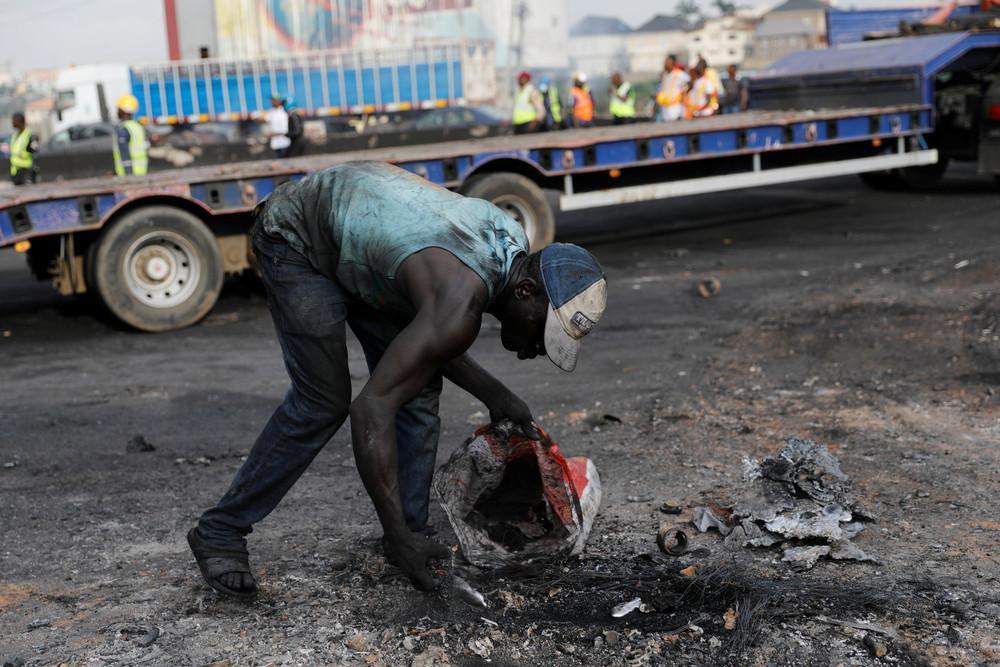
pixel 672 90
pixel 702 100
pixel 583 105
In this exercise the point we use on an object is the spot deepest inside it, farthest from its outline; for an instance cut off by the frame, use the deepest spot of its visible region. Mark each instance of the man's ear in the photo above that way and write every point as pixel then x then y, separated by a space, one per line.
pixel 526 288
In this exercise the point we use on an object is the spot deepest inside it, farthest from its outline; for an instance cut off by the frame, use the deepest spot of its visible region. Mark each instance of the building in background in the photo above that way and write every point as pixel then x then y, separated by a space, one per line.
pixel 529 34
pixel 721 41
pixel 795 25
pixel 38 116
pixel 597 46
pixel 649 44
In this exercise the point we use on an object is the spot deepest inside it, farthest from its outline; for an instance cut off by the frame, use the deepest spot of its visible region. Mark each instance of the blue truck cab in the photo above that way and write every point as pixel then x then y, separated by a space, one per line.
pixel 957 74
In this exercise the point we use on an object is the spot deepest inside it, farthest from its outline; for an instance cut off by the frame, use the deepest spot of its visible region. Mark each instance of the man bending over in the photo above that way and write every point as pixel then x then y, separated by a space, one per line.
pixel 412 268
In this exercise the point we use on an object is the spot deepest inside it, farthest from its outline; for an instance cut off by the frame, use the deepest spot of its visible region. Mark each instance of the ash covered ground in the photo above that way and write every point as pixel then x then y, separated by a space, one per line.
pixel 868 322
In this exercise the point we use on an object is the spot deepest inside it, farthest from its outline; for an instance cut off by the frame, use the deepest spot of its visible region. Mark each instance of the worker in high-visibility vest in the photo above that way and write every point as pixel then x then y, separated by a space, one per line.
pixel 622 100
pixel 581 102
pixel 529 109
pixel 703 97
pixel 711 73
pixel 552 104
pixel 23 145
pixel 670 94
pixel 131 150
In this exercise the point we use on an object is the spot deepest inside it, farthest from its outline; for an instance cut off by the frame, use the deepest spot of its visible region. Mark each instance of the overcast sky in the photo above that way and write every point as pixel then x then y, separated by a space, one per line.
pixel 56 33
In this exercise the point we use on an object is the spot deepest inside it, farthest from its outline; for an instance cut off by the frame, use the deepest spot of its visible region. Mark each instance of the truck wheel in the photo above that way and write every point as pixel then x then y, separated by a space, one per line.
pixel 158 268
pixel 521 199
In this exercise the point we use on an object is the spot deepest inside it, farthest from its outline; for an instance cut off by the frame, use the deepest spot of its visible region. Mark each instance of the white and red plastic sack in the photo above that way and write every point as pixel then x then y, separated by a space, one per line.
pixel 510 498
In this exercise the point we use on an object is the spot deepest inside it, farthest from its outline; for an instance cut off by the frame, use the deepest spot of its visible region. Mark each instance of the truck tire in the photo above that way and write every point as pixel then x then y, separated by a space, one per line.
pixel 157 268
pixel 521 199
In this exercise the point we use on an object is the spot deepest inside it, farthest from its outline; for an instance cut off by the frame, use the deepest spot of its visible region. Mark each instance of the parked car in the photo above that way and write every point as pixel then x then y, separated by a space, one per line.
pixel 450 118
pixel 478 120
pixel 88 138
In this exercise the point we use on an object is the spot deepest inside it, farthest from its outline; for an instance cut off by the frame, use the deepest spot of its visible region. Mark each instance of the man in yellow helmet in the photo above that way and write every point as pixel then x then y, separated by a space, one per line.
pixel 23 145
pixel 130 146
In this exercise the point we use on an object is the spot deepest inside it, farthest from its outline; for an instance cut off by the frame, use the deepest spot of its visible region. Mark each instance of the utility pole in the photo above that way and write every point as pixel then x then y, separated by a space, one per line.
pixel 515 48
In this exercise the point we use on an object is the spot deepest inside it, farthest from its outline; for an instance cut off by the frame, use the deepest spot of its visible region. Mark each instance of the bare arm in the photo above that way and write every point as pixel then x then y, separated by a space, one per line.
pixel 449 301
pixel 404 370
pixel 498 399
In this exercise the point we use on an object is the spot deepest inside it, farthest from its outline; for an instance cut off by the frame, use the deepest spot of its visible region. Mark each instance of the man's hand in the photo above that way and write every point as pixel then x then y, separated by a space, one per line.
pixel 498 399
pixel 513 408
pixel 412 553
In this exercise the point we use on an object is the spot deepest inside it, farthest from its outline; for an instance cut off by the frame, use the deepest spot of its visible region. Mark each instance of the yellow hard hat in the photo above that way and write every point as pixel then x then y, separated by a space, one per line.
pixel 128 103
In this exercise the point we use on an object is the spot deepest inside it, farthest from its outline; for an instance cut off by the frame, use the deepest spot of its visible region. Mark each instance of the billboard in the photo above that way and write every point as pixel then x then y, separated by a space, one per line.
pixel 533 34
pixel 246 27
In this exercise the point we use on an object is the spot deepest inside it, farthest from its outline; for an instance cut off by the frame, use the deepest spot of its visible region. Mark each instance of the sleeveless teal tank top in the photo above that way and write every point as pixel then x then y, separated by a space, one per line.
pixel 357 222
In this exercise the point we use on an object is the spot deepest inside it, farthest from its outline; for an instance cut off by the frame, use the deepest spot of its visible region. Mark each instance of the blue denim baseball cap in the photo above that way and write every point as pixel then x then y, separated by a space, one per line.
pixel 578 292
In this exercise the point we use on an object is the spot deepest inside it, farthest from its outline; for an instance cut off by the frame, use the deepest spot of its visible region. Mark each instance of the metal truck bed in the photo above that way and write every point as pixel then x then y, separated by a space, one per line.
pixel 86 204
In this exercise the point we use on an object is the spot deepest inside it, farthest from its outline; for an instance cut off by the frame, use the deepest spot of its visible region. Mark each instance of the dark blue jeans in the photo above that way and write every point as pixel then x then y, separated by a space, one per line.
pixel 310 312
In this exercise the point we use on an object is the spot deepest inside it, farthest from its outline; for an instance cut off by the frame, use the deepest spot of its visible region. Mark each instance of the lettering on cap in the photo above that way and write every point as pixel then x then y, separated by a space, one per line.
pixel 583 323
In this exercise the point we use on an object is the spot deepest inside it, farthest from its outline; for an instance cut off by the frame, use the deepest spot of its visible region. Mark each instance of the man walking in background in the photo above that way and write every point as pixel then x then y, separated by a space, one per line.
pixel 277 126
pixel 23 145
pixel 296 129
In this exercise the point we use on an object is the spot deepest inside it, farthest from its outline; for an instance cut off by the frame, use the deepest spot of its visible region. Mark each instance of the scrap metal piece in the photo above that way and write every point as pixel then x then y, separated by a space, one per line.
pixel 844 550
pixel 805 521
pixel 467 593
pixel 626 608
pixel 671 507
pixel 704 518
pixel 804 558
pixel 672 541
pixel 709 287
pixel 749 534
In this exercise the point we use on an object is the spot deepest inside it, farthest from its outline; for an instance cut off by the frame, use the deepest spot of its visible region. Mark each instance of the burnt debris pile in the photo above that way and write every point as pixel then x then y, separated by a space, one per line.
pixel 800 500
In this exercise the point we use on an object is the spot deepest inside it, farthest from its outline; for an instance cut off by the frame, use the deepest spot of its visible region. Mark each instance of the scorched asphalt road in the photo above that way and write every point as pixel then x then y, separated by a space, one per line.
pixel 866 321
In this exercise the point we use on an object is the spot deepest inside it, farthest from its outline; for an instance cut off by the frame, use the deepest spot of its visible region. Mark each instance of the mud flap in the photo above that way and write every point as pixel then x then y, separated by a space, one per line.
pixel 509 498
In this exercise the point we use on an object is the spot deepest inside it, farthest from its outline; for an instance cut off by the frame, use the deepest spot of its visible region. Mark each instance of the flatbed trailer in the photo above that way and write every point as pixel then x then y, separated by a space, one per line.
pixel 156 248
